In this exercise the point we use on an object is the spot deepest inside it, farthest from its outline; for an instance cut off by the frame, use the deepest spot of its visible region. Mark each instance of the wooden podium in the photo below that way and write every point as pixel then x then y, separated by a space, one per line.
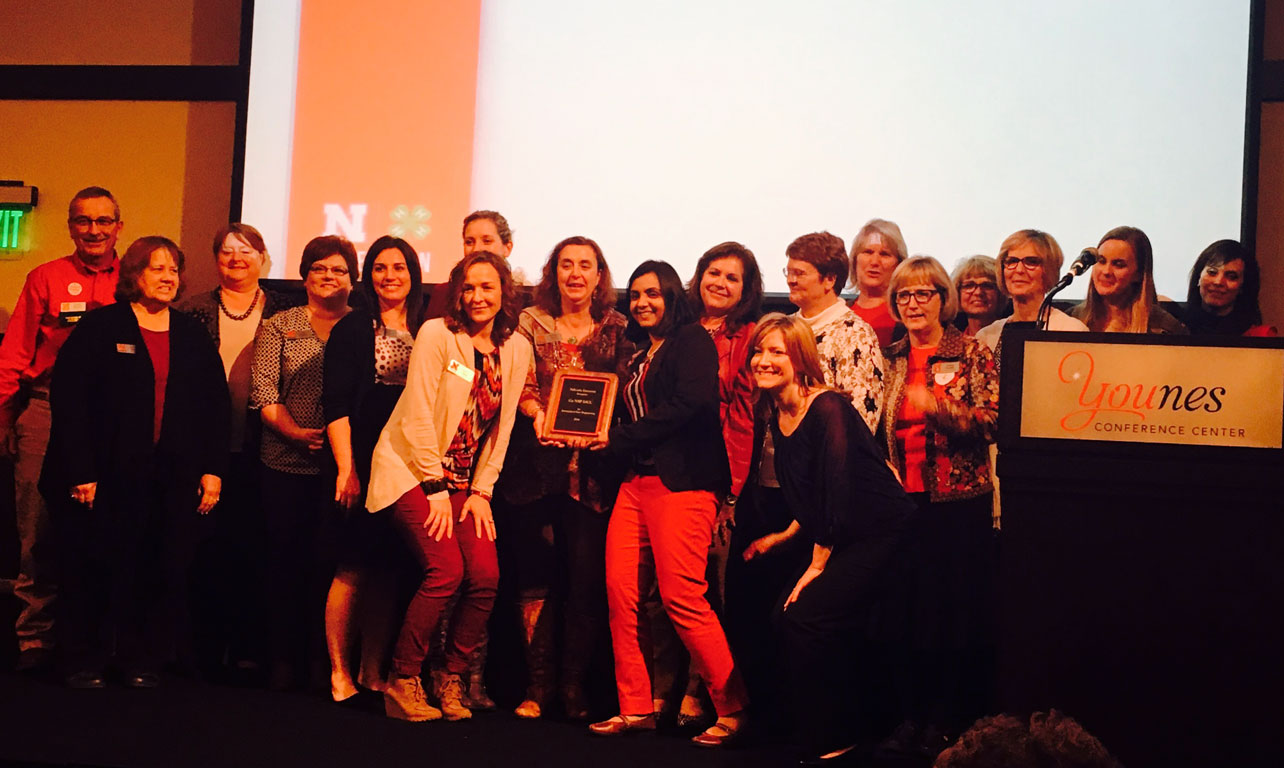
pixel 1142 545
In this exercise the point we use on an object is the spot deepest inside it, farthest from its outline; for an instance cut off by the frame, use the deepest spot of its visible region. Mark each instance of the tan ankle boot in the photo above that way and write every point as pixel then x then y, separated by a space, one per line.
pixel 450 695
pixel 404 699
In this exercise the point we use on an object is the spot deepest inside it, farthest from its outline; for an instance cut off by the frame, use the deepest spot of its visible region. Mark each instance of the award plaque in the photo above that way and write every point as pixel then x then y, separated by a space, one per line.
pixel 580 405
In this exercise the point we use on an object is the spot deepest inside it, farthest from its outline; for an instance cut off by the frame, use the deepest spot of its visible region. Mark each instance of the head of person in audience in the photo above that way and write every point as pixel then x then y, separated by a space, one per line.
pixel 658 304
pixel 878 248
pixel 241 256
pixel 1225 282
pixel 94 223
pixel 727 286
pixel 482 293
pixel 487 231
pixel 783 356
pixel 1050 740
pixel 1122 279
pixel 923 299
pixel 816 271
pixel 328 267
pixel 976 278
pixel 151 273
pixel 574 277
pixel 391 278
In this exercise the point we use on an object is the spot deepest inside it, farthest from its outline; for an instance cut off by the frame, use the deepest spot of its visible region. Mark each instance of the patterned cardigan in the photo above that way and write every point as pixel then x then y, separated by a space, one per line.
pixel 959 433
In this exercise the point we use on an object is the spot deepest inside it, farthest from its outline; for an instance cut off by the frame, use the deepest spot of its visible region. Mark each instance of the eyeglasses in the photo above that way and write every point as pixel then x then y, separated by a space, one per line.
pixel 978 286
pixel 321 269
pixel 84 222
pixel 921 296
pixel 793 274
pixel 1030 262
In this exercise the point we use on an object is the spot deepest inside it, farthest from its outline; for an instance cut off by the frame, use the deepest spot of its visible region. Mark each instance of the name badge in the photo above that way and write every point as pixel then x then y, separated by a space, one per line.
pixel 944 372
pixel 70 312
pixel 461 370
pixel 125 349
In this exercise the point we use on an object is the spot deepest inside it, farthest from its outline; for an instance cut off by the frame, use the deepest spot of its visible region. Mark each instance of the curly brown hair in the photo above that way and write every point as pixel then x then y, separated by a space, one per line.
pixel 510 305
pixel 548 296
pixel 1051 739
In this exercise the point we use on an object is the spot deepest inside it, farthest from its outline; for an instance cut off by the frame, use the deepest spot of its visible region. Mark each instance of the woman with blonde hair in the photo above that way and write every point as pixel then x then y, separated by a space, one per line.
pixel 876 250
pixel 1121 297
pixel 849 506
pixel 1029 263
pixel 941 413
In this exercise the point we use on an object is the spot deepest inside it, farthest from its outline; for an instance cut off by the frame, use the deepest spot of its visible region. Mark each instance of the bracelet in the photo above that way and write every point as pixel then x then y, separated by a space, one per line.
pixel 429 487
pixel 482 494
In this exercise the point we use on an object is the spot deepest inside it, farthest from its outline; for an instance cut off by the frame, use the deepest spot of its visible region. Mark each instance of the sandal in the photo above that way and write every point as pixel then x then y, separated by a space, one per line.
pixel 719 734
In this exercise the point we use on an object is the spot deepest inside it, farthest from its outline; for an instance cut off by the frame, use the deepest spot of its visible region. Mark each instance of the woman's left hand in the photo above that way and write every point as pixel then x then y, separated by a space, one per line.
pixel 211 488
pixel 808 577
pixel 483 520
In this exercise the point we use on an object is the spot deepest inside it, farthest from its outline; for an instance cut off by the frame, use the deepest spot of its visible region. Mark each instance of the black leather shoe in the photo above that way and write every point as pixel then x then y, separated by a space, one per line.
pixel 143 680
pixel 85 680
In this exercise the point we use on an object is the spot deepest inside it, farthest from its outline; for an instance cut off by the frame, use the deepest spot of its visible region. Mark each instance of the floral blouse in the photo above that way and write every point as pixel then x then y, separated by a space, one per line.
pixel 533 471
pixel 852 361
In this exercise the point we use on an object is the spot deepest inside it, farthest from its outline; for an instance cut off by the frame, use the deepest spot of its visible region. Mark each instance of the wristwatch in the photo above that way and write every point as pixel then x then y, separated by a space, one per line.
pixel 429 487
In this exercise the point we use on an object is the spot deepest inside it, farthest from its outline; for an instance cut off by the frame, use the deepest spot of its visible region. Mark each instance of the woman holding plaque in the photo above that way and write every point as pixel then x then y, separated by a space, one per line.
pixel 670 437
pixel 436 463
pixel 1121 297
pixel 366 361
pixel 1222 299
pixel 941 414
pixel 553 550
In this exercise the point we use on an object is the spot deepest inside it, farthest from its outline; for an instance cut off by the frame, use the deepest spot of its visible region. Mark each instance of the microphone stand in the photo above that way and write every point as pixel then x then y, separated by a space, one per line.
pixel 1045 309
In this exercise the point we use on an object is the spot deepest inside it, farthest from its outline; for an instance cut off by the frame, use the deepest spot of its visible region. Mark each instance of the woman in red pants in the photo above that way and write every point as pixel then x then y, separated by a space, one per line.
pixel 671 438
pixel 436 463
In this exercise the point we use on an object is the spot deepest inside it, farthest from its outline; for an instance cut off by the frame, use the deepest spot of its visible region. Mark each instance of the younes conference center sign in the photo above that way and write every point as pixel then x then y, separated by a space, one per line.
pixel 1153 393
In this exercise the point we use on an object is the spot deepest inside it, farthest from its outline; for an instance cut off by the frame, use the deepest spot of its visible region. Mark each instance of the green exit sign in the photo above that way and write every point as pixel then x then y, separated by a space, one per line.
pixel 16 202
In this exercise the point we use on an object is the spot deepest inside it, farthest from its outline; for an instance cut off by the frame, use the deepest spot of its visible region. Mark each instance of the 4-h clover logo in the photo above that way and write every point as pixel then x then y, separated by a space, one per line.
pixel 410 222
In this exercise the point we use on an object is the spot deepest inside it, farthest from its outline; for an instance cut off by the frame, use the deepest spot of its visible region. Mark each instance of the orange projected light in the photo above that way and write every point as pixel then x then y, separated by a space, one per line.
pixel 383 126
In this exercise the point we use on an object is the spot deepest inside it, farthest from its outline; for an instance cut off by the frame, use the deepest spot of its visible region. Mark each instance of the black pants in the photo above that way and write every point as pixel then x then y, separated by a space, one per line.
pixel 825 645
pixel 555 548
pixel 124 571
pixel 300 565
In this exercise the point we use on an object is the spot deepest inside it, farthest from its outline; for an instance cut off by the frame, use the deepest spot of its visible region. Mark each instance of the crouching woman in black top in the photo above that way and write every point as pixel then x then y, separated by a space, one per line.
pixel 848 504
pixel 139 444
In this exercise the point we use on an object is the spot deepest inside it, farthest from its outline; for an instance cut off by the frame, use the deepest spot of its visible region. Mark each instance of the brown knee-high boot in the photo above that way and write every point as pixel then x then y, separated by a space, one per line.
pixel 537 638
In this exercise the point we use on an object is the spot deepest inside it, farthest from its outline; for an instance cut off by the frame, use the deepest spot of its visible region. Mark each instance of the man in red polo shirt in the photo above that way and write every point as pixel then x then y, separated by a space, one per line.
pixel 56 295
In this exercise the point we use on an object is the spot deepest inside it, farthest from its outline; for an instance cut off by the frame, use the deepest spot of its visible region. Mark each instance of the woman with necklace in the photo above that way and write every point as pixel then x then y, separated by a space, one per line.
pixel 289 355
pixel 229 563
pixel 670 438
pixel 435 468
pixel 555 496
pixel 366 361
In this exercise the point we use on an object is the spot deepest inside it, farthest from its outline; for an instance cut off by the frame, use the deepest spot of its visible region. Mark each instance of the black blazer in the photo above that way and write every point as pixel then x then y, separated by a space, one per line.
pixel 103 403
pixel 682 427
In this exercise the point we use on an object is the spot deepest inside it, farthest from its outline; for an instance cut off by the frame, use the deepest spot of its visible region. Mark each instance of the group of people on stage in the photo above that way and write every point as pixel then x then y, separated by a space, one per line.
pixel 794 509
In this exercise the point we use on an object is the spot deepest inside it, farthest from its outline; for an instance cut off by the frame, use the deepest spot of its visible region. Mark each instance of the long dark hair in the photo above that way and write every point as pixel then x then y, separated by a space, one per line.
pixel 548 296
pixel 366 288
pixel 749 307
pixel 1247 312
pixel 677 310
pixel 510 306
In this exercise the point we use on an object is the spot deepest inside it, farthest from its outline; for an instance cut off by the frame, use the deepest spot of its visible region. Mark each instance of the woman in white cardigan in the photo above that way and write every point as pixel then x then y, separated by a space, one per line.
pixel 436 463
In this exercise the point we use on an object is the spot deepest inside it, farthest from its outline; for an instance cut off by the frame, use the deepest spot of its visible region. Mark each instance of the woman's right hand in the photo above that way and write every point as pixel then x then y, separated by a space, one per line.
pixel 347 488
pixel 309 439
pixel 439 521
pixel 760 547
pixel 538 418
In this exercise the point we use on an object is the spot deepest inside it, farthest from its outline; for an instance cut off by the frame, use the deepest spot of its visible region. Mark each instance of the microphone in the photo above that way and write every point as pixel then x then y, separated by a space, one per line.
pixel 1086 259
